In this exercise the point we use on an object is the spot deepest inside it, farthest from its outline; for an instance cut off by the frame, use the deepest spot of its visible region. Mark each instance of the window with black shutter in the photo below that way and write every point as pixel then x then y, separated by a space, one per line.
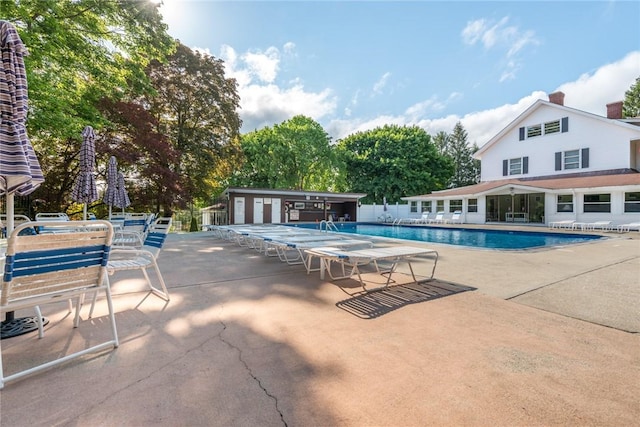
pixel 565 124
pixel 558 161
pixel 585 157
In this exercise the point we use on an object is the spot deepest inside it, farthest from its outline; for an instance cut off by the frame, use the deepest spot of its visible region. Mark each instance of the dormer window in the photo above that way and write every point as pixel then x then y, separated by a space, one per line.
pixel 552 127
pixel 534 131
pixel 547 128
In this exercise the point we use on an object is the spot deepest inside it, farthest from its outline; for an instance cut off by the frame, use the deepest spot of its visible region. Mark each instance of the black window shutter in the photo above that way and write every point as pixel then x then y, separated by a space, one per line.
pixel 505 167
pixel 558 161
pixel 585 157
pixel 522 134
pixel 525 164
pixel 565 124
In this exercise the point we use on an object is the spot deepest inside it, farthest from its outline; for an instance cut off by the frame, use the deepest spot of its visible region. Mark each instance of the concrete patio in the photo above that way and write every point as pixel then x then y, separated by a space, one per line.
pixel 544 337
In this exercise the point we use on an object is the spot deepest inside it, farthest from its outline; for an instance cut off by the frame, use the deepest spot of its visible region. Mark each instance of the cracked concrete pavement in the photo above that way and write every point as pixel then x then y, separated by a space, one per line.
pixel 546 337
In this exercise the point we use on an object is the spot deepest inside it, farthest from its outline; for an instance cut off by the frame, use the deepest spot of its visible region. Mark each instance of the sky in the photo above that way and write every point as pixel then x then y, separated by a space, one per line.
pixel 356 65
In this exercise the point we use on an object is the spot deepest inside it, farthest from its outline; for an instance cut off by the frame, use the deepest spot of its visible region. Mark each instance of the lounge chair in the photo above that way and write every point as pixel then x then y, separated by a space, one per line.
pixel 456 218
pixel 562 224
pixel 439 219
pixel 292 251
pixel 51 267
pixel 140 259
pixel 628 227
pixel 358 258
pixel 598 225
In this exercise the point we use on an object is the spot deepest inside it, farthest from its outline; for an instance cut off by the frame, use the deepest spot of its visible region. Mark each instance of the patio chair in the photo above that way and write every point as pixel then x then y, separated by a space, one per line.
pixel 628 227
pixel 17 220
pixel 51 267
pixel 140 259
pixel 456 218
pixel 355 259
pixel 439 219
pixel 598 225
pixel 131 233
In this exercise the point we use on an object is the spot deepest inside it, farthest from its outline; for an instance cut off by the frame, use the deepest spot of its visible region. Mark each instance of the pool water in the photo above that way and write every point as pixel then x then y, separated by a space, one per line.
pixel 477 238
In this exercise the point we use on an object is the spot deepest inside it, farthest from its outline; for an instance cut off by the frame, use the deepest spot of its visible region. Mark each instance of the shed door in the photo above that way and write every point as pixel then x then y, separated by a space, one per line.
pixel 238 210
pixel 258 211
pixel 275 211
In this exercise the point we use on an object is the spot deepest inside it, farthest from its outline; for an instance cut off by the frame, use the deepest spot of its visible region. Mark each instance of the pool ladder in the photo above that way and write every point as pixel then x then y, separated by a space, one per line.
pixel 328 226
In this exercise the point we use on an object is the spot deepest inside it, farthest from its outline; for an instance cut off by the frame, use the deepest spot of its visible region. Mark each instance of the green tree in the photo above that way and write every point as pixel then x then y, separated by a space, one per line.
pixel 631 106
pixel 80 51
pixel 393 162
pixel 441 140
pixel 295 154
pixel 466 168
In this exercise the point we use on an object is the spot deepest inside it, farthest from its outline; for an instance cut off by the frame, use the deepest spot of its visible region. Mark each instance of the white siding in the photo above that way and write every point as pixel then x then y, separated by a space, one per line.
pixel 608 144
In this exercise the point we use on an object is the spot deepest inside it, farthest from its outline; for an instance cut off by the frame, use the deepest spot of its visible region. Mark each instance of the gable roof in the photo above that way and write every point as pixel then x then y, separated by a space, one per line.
pixel 539 104
pixel 616 178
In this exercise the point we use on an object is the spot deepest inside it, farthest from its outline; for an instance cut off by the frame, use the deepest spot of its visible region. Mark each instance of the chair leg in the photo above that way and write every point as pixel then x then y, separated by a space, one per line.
pixel 164 293
pixel 39 320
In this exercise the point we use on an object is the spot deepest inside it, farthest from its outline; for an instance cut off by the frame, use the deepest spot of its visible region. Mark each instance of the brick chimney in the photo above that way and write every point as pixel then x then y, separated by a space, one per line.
pixel 556 98
pixel 614 110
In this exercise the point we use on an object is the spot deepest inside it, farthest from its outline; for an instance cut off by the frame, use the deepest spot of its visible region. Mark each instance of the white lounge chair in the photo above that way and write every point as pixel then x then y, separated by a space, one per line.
pixel 598 225
pixel 51 267
pixel 562 224
pixel 628 227
pixel 439 219
pixel 358 258
pixel 456 218
pixel 140 259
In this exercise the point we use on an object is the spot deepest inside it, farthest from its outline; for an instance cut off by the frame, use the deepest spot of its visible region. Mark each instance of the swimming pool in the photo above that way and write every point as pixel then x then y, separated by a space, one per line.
pixel 477 238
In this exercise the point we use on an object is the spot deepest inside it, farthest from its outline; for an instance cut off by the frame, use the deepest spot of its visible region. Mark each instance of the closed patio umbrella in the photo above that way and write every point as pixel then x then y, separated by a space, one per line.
pixel 20 171
pixel 123 197
pixel 84 188
pixel 111 195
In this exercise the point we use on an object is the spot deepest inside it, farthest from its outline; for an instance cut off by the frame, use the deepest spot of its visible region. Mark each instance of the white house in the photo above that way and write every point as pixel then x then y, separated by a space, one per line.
pixel 552 163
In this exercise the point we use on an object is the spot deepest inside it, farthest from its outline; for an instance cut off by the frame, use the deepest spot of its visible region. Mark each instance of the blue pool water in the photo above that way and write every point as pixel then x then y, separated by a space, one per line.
pixel 478 238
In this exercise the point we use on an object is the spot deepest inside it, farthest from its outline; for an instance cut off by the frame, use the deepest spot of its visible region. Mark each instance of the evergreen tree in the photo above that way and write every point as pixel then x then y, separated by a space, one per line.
pixel 466 169
pixel 631 107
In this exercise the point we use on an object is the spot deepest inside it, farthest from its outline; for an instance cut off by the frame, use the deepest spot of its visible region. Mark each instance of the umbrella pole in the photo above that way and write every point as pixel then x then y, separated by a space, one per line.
pixel 11 326
pixel 10 226
pixel 10 212
pixel 84 212
pixel 109 212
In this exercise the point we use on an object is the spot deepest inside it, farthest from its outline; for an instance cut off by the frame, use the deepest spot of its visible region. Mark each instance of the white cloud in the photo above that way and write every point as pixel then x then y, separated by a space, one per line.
pixel 381 83
pixel 506 38
pixel 263 65
pixel 590 92
pixel 289 48
pixel 265 103
pixel 593 91
pixel 262 101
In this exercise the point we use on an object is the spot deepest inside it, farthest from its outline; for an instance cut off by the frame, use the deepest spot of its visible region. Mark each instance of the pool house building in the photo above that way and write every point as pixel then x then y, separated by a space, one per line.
pixel 552 163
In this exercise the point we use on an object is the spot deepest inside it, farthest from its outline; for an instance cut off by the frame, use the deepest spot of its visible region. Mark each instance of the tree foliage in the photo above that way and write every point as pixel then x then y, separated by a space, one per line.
pixel 295 154
pixel 196 107
pixel 393 162
pixel 631 106
pixel 80 51
pixel 466 169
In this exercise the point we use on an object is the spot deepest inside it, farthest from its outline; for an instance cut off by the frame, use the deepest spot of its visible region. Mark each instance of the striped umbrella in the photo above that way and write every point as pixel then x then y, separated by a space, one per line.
pixel 84 188
pixel 111 194
pixel 123 197
pixel 20 171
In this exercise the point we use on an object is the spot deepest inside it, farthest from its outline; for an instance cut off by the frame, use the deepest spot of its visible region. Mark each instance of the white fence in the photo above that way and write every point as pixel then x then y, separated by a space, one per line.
pixel 378 213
